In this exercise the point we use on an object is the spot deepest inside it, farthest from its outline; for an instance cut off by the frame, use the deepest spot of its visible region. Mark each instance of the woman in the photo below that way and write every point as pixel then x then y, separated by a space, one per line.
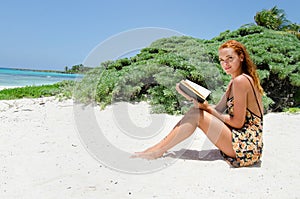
pixel 238 132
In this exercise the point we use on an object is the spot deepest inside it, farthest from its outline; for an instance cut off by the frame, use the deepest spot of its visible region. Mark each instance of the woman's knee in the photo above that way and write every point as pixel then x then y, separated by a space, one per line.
pixel 204 118
pixel 194 114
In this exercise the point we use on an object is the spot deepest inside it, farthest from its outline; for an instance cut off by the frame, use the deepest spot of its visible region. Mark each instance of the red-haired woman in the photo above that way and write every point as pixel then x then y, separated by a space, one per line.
pixel 234 125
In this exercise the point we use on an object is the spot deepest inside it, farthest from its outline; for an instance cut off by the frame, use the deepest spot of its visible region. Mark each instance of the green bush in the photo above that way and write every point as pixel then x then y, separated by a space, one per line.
pixel 61 89
pixel 153 73
pixel 277 56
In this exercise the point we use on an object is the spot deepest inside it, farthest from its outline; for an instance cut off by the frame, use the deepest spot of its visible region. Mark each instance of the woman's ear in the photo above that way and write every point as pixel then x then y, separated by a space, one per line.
pixel 242 57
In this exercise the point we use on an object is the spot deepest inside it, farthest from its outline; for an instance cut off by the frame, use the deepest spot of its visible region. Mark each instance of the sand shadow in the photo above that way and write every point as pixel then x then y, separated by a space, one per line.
pixel 204 155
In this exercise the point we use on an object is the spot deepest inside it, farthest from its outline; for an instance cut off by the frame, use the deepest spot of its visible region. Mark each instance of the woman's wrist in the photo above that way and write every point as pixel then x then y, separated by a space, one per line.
pixel 214 112
pixel 210 110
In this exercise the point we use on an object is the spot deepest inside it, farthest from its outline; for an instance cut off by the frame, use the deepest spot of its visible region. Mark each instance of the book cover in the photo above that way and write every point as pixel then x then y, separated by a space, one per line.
pixel 194 90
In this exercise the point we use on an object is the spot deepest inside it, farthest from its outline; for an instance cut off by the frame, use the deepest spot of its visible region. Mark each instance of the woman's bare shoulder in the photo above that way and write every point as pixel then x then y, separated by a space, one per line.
pixel 241 81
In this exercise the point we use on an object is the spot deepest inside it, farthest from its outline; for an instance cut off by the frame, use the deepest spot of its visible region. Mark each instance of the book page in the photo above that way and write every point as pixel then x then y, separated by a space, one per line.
pixel 203 91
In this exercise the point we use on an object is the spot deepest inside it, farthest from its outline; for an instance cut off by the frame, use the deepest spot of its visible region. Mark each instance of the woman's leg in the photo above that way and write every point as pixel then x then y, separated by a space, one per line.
pixel 215 130
pixel 182 130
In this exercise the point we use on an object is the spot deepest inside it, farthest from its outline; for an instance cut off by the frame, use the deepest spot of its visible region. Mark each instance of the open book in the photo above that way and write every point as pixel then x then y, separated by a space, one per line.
pixel 194 90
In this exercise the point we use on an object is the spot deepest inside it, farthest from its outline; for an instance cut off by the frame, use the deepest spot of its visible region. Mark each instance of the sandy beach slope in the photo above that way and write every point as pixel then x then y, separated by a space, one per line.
pixel 44 156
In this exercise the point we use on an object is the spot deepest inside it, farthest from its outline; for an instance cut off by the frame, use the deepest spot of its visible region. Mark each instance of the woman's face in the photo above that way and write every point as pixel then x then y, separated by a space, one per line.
pixel 230 61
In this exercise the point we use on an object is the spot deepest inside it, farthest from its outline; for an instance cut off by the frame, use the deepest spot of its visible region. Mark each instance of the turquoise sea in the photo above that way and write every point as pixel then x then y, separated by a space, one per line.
pixel 15 77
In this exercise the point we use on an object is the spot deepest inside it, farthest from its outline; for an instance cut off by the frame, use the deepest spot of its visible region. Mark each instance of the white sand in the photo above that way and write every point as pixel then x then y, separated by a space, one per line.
pixel 42 156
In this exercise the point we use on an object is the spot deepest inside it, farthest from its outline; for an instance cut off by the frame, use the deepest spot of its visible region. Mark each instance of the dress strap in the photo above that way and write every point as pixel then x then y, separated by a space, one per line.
pixel 228 92
pixel 261 115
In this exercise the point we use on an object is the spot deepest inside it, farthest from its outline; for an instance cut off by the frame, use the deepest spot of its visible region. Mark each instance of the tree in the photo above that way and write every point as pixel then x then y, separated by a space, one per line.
pixel 293 28
pixel 273 18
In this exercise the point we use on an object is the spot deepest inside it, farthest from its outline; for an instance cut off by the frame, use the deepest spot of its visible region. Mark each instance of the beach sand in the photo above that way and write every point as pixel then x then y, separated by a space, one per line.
pixel 44 156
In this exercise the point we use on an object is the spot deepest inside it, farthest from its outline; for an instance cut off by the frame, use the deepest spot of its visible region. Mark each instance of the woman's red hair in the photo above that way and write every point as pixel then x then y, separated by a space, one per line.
pixel 248 67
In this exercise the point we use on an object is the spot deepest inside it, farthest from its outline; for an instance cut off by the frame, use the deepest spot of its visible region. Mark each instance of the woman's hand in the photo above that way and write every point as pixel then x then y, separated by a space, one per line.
pixel 204 106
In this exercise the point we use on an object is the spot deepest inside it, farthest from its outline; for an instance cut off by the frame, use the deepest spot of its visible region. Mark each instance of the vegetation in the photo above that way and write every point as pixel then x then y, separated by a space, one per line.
pixel 61 89
pixel 275 19
pixel 152 74
pixel 77 69
pixel 292 110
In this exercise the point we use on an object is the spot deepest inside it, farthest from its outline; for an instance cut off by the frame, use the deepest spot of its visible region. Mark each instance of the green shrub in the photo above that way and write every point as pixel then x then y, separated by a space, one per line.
pixel 292 110
pixel 58 89
pixel 152 74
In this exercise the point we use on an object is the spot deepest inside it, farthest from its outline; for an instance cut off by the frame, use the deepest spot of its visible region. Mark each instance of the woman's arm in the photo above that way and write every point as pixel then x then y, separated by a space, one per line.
pixel 240 88
pixel 221 106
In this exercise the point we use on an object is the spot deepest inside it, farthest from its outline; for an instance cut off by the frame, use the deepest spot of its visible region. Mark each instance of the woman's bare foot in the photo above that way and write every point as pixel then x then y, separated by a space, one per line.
pixel 148 154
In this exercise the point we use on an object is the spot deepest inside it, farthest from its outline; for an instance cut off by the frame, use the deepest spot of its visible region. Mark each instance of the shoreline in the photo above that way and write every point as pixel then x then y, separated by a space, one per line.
pixel 9 87
pixel 59 72
pixel 14 78
pixel 34 70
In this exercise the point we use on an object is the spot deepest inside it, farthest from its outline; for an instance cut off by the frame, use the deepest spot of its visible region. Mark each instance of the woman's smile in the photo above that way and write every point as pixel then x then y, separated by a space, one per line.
pixel 226 68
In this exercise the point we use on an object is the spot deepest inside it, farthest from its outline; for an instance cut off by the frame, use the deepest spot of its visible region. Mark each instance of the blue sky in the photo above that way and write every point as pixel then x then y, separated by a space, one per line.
pixel 53 34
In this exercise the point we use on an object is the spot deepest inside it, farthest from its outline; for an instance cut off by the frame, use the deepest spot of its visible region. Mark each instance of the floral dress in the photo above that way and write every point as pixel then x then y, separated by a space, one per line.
pixel 247 141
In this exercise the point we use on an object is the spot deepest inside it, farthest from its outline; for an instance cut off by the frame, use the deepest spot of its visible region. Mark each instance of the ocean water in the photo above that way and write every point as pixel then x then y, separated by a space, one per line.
pixel 14 77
